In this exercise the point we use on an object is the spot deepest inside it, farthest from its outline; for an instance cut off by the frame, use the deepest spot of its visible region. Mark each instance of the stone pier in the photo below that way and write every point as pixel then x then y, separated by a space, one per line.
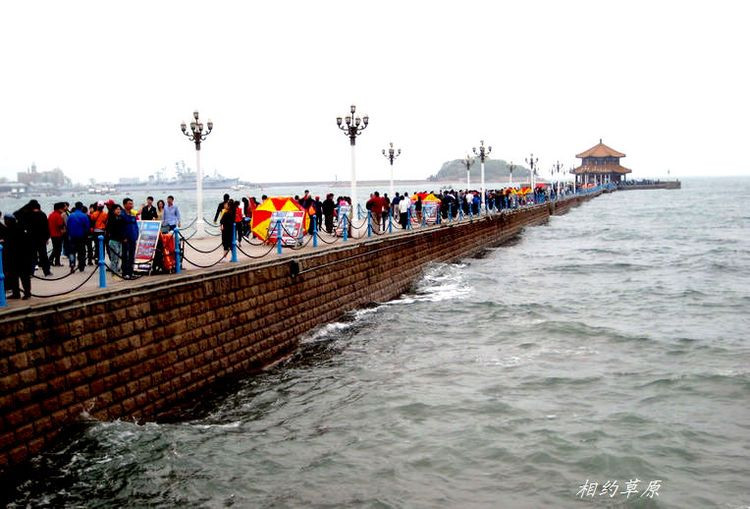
pixel 140 348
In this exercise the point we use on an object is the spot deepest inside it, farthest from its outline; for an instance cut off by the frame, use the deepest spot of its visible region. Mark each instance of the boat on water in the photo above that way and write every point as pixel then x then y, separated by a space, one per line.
pixel 186 179
pixel 103 189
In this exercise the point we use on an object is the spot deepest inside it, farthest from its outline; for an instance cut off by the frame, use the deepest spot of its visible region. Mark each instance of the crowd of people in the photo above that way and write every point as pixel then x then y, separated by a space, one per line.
pixel 74 231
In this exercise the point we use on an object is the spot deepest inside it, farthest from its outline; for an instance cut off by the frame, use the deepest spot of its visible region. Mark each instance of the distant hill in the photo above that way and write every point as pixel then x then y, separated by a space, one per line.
pixel 494 170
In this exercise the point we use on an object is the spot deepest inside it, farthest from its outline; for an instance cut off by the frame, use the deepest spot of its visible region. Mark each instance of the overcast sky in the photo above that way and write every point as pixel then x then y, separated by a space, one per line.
pixel 100 90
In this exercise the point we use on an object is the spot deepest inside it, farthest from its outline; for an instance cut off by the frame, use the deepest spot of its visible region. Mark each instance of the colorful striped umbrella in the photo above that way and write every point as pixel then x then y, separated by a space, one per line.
pixel 262 214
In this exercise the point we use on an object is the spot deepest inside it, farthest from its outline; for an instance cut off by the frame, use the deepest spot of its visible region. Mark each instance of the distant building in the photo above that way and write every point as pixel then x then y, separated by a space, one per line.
pixel 12 188
pixel 55 178
pixel 600 165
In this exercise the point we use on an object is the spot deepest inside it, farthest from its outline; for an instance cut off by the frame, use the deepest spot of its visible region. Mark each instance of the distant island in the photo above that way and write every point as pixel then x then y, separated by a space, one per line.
pixel 494 170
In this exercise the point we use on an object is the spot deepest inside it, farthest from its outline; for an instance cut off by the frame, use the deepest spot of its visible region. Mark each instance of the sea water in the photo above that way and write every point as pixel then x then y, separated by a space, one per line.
pixel 600 360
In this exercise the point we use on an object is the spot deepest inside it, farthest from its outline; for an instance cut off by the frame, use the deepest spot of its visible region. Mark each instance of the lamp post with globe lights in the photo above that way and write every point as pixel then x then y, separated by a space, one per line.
pixel 468 161
pixel 197 135
pixel 532 162
pixel 483 153
pixel 556 168
pixel 352 127
pixel 391 155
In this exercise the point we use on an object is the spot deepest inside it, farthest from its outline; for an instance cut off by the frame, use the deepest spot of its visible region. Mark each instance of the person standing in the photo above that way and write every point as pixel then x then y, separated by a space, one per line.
pixel 160 209
pixel 404 205
pixel 56 225
pixel 18 260
pixel 78 231
pixel 246 216
pixel 148 211
pixel 226 222
pixel 115 234
pixel 394 206
pixel 171 219
pixel 90 239
pixel 31 218
pixel 239 218
pixel 308 205
pixel 374 206
pixel 385 205
pixel 129 239
pixel 318 212
pixel 329 206
pixel 221 207
pixel 99 225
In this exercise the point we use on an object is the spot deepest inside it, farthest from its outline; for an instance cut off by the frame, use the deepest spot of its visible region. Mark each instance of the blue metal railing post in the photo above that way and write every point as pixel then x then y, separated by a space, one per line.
pixel 408 219
pixel 345 229
pixel 234 242
pixel 359 212
pixel 315 232
pixel 450 212
pixel 102 270
pixel 178 262
pixel 390 220
pixel 3 302
pixel 278 237
pixel 369 223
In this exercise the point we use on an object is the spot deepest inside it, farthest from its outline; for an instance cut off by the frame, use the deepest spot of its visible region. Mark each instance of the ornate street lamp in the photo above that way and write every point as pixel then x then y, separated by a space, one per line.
pixel 483 154
pixel 556 169
pixel 532 162
pixel 468 161
pixel 353 128
pixel 511 167
pixel 391 155
pixel 197 135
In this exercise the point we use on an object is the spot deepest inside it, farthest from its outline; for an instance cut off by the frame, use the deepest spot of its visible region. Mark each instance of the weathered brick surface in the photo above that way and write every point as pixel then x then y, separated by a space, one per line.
pixel 135 353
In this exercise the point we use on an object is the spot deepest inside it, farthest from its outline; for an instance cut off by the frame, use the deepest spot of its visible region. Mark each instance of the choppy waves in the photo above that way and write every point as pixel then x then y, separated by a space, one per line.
pixel 609 345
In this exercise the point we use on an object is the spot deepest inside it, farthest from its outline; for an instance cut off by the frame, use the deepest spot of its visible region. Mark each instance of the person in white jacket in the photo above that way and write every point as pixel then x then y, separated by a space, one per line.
pixel 403 208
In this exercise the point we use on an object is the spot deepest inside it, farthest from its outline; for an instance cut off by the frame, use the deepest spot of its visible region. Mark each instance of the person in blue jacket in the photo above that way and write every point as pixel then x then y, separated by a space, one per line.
pixel 78 231
pixel 130 238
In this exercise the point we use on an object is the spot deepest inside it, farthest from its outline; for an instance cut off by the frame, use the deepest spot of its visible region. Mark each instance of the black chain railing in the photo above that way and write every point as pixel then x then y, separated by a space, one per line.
pixel 270 248
pixel 200 250
pixel 226 253
pixel 67 292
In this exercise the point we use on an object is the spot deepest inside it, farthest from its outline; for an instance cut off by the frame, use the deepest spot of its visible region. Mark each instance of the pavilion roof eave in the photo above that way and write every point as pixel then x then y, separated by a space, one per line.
pixel 600 169
pixel 600 150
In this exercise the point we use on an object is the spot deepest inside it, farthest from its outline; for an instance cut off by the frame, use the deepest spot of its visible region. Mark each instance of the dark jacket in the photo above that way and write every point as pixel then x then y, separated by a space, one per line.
pixel 116 228
pixel 328 207
pixel 148 213
pixel 39 227
pixel 219 209
pixel 227 219
pixel 17 250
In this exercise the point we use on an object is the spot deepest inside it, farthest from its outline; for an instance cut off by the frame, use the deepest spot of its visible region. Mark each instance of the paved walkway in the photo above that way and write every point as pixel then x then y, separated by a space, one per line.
pixel 86 283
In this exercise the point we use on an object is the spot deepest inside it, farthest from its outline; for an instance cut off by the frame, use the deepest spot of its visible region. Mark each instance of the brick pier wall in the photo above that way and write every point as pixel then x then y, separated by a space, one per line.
pixel 138 352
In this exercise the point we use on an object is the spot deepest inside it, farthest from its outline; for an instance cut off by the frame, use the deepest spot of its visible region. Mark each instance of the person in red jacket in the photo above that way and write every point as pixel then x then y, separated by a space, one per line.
pixel 239 217
pixel 56 222
pixel 375 206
